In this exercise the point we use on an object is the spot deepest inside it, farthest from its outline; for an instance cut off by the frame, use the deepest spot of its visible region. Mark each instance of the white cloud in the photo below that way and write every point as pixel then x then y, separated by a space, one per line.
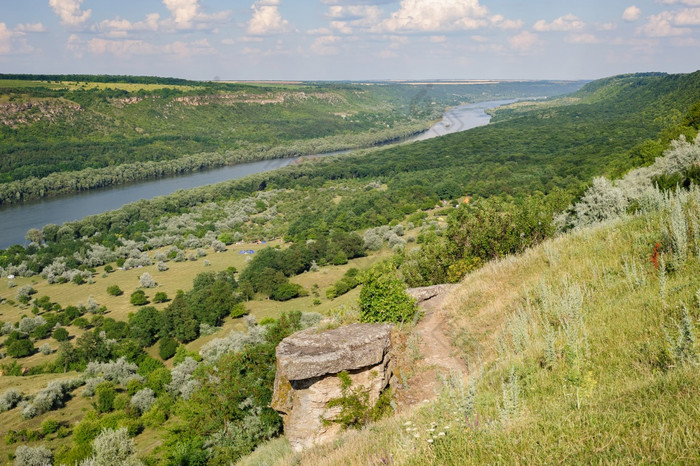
pixel 661 25
pixel 186 14
pixel 564 23
pixel 631 13
pixel 324 45
pixel 438 39
pixel 69 11
pixel 30 27
pixel 582 39
pixel 127 48
pixel 523 41
pixel 682 2
pixel 436 15
pixel 120 27
pixel 347 18
pixel 5 39
pixel 266 18
pixel 500 22
pixel 688 17
pixel 685 42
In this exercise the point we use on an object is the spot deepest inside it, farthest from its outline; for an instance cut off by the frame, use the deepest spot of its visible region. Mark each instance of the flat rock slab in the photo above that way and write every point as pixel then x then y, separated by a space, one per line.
pixel 425 293
pixel 313 353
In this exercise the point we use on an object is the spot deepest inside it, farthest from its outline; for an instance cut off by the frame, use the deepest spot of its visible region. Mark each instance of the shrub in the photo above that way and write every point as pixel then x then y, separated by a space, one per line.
pixel 161 266
pixel 20 348
pixel 11 398
pixel 109 268
pixel 383 298
pixel 45 349
pixel 286 291
pixel 143 400
pixel 160 297
pixel 239 310
pixel 105 397
pixel 167 347
pixel 119 371
pixel 113 447
pixel 147 281
pixel 60 334
pixel 33 456
pixel 138 298
pixel 50 426
pixel 114 290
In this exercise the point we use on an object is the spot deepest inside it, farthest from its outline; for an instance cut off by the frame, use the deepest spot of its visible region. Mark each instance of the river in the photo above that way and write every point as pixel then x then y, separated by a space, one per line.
pixel 16 219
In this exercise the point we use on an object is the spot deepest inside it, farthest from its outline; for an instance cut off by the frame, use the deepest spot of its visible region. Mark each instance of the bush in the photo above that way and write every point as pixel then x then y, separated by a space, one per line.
pixel 20 348
pixel 105 397
pixel 114 290
pixel 138 298
pixel 50 426
pixel 45 349
pixel 239 310
pixel 60 334
pixel 33 456
pixel 11 398
pixel 109 268
pixel 160 297
pixel 119 371
pixel 383 298
pixel 286 291
pixel 113 447
pixel 167 347
pixel 143 400
pixel 147 281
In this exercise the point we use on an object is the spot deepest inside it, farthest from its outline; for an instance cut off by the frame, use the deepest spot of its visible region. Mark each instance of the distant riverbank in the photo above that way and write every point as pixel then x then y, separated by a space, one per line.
pixel 16 220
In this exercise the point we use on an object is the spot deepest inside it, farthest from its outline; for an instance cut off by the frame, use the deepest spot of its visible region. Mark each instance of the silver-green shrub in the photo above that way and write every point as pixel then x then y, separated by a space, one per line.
pixel 11 398
pixel 33 456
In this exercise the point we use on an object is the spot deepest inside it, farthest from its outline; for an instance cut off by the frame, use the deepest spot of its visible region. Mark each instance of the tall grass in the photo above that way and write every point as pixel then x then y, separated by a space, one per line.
pixel 588 356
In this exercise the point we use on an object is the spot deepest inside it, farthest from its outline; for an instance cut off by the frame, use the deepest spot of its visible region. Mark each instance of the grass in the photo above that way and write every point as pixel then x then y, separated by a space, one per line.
pixel 610 396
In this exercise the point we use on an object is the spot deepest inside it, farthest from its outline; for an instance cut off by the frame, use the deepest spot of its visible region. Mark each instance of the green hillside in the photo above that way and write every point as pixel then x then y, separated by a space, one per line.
pixel 63 124
pixel 583 351
pixel 569 325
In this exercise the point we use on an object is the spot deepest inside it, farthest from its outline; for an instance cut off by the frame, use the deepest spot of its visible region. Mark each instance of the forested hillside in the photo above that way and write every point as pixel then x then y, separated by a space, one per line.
pixel 143 306
pixel 63 124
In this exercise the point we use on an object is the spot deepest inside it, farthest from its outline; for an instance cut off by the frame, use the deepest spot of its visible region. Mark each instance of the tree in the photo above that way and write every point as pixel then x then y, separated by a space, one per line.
pixel 144 325
pixel 160 297
pixel 105 397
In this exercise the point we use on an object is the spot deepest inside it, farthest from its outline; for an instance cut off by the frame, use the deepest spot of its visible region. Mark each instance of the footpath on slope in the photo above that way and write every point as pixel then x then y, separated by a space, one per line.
pixel 430 346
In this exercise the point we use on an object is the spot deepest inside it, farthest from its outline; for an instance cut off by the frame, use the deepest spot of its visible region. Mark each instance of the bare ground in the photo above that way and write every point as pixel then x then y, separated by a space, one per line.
pixel 433 356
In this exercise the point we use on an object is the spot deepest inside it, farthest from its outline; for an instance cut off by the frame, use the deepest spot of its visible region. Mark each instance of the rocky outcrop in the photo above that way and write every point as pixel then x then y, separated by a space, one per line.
pixel 306 380
pixel 425 293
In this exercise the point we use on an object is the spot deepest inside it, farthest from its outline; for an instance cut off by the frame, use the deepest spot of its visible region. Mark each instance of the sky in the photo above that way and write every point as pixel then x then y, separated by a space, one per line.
pixel 350 39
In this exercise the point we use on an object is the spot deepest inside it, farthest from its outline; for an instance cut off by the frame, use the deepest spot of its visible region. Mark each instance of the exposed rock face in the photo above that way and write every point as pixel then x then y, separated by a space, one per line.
pixel 306 380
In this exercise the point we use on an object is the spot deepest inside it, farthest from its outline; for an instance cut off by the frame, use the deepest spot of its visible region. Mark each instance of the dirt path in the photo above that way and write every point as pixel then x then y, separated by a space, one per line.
pixel 437 356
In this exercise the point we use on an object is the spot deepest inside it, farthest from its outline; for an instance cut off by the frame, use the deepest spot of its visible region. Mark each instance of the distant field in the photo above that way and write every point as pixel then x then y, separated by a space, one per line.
pixel 75 85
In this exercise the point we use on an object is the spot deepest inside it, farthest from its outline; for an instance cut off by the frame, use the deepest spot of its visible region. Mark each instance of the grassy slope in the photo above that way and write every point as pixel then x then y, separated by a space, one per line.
pixel 614 402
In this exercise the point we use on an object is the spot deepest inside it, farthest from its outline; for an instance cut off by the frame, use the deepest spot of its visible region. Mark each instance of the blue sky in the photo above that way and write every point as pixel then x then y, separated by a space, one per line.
pixel 350 39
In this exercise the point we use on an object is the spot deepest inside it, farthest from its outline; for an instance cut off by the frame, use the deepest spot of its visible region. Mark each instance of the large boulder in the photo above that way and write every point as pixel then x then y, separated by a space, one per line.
pixel 306 380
